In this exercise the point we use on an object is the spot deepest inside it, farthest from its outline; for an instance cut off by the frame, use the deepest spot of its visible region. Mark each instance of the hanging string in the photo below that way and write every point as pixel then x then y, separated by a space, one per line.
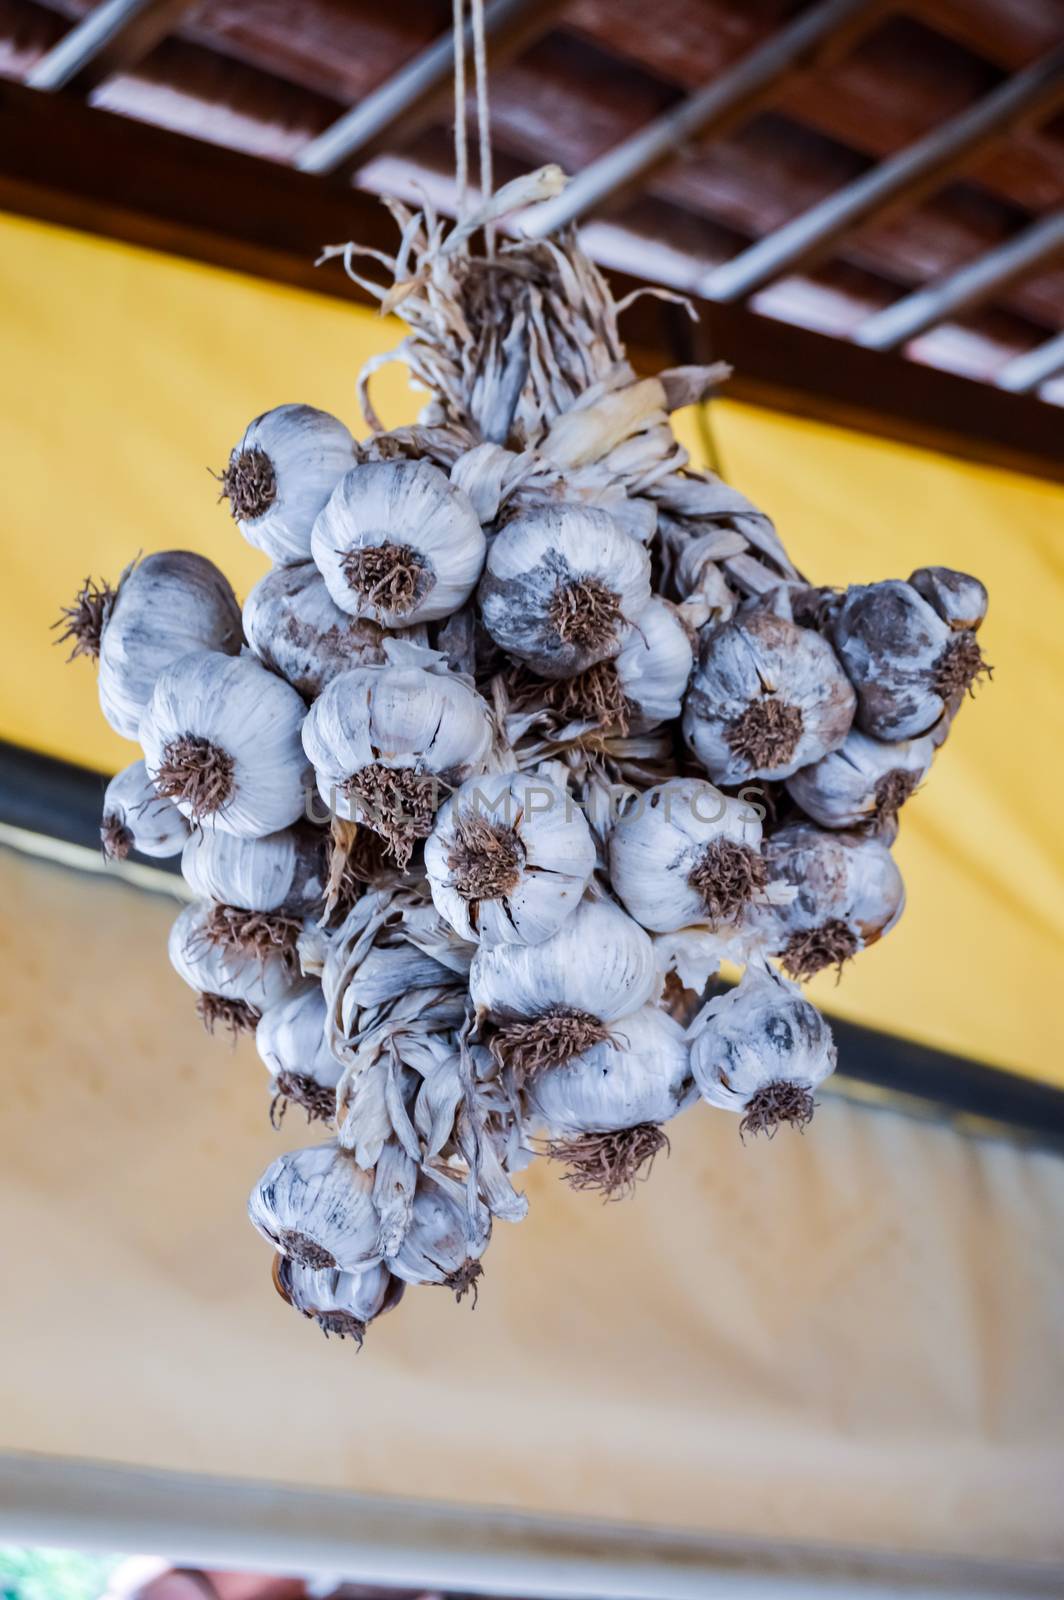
pixel 461 150
pixel 480 64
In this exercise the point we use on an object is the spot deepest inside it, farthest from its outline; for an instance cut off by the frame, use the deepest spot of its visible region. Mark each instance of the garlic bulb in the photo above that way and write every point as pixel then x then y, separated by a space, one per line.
pixel 960 600
pixel 235 987
pixel 905 662
pixel 281 474
pixel 766 698
pixel 445 1237
pixel 283 870
pixel 849 893
pixel 165 606
pixel 560 587
pixel 315 1206
pixel 604 1107
pixel 135 817
pixel 295 629
pixel 509 859
pixel 221 739
pixel 864 782
pixel 550 1001
pixel 291 1041
pixel 384 741
pixel 761 1050
pixel 685 853
pixel 398 542
pixel 644 683
pixel 343 1304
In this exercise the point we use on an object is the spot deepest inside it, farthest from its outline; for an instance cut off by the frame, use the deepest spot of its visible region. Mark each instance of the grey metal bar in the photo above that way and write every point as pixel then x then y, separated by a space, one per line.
pixel 109 38
pixel 970 286
pixel 912 172
pixel 702 114
pixel 410 97
pixel 1028 372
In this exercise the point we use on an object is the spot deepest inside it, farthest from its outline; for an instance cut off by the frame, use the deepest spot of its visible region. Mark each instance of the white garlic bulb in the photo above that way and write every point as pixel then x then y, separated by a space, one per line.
pixel 632 1080
pixel 295 629
pixel 960 600
pixel 399 542
pixel 862 783
pixel 766 698
pixel 235 987
pixel 316 1207
pixel 550 1001
pixel 343 1304
pixel 221 738
pixel 509 859
pixel 386 741
pixel 848 894
pixel 280 475
pixel 291 1041
pixel 760 1050
pixel 684 853
pixel 165 606
pixel 135 817
pixel 561 585
pixel 279 870
pixel 642 686
pixel 445 1236
pixel 905 662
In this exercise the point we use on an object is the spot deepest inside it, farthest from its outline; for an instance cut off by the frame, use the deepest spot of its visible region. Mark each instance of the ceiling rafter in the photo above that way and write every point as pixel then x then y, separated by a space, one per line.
pixel 110 38
pixel 1024 374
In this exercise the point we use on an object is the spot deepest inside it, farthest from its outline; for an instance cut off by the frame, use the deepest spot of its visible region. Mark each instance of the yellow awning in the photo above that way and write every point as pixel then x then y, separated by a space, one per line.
pixel 129 375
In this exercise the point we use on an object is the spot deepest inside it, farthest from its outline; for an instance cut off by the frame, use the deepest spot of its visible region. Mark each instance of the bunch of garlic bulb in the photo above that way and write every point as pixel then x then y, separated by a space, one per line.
pixel 528 727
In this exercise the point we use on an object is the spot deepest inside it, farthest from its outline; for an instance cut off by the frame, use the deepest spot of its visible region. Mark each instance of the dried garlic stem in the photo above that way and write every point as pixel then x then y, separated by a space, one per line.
pixel 595 695
pixel 465 1279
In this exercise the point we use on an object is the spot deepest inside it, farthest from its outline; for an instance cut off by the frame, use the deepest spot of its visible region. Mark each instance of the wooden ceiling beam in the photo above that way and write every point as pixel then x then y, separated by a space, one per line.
pixel 65 163
pixel 970 287
pixel 1025 374
pixel 906 177
pixel 420 91
pixel 110 38
pixel 712 110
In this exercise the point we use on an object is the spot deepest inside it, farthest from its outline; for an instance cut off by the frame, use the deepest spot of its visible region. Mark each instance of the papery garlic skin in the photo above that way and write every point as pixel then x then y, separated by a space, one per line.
pixel 560 587
pixel 766 698
pixel 905 662
pixel 296 630
pixel 280 475
pixel 136 818
pixel 399 543
pixel 444 1238
pixel 600 962
pixel 640 1074
pixel 654 665
pixel 760 1050
pixel 167 605
pixel 292 1044
pixel 863 783
pixel 958 598
pixel 431 725
pixel 343 1304
pixel 509 859
pixel 315 1206
pixel 251 721
pixel 256 981
pixel 848 894
pixel 663 847
pixel 279 870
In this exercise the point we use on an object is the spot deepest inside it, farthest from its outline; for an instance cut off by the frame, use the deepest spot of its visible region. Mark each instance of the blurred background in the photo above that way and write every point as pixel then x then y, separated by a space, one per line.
pixel 832 1362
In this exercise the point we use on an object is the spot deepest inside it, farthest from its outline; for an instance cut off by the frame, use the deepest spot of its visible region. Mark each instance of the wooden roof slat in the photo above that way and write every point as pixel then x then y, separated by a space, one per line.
pixel 713 108
pixel 108 39
pixel 410 99
pixel 1026 373
pixel 909 175
pixel 966 289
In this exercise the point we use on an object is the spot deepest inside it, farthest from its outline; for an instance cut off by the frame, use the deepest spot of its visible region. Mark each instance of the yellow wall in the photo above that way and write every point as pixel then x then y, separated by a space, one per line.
pixel 128 375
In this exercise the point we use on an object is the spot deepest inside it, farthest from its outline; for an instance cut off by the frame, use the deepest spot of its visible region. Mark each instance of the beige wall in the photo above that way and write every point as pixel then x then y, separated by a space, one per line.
pixel 852 1336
